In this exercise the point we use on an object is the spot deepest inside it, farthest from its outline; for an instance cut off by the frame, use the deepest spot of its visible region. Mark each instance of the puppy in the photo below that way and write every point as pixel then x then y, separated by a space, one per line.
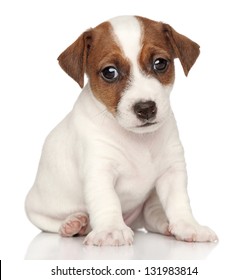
pixel 115 163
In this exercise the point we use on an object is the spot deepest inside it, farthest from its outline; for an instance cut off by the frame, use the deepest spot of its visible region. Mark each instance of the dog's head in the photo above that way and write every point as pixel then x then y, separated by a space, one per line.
pixel 129 63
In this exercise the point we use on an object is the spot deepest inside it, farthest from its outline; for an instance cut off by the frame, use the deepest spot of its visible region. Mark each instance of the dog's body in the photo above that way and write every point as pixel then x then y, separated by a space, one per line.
pixel 116 161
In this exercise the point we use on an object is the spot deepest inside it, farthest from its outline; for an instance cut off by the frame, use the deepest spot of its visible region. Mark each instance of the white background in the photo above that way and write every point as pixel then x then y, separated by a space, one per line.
pixel 210 106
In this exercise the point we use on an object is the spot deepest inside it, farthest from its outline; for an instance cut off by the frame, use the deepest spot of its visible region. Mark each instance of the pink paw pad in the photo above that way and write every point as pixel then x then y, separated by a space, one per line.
pixel 74 224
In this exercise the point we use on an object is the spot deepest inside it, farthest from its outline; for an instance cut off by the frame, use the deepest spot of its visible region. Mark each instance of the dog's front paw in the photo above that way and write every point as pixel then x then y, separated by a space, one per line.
pixel 192 232
pixel 116 237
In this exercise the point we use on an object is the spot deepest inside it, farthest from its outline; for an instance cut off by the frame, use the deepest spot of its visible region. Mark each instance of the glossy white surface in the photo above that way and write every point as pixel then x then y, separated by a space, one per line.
pixel 147 246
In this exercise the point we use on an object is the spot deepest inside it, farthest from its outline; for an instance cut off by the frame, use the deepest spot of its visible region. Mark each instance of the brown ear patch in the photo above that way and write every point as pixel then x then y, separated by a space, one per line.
pixel 73 59
pixel 185 49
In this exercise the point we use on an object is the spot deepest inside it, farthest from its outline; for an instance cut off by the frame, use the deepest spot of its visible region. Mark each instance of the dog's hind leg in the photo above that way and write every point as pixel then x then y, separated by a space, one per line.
pixel 75 224
pixel 155 219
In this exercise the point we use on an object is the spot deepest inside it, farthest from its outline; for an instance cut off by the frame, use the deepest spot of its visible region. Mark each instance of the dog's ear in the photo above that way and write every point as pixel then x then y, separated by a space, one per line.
pixel 73 59
pixel 185 49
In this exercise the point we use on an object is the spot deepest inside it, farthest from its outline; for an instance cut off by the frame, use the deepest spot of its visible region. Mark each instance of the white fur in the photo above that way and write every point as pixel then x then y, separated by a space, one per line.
pixel 128 33
pixel 94 163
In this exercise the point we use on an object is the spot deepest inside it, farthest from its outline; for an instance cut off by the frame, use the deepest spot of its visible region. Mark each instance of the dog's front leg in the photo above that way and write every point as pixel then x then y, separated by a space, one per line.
pixel 172 191
pixel 103 205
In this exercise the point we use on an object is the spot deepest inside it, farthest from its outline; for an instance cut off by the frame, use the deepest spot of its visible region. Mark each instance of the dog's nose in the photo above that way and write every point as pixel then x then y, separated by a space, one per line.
pixel 145 110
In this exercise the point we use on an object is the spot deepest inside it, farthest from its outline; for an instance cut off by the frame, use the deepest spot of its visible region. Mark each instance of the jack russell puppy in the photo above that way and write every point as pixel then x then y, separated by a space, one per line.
pixel 115 163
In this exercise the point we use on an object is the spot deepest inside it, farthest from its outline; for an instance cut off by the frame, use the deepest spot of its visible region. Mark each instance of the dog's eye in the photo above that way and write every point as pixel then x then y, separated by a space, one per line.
pixel 110 74
pixel 160 65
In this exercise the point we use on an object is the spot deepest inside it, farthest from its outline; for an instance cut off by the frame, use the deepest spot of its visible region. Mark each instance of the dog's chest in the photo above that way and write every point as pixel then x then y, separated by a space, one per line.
pixel 138 173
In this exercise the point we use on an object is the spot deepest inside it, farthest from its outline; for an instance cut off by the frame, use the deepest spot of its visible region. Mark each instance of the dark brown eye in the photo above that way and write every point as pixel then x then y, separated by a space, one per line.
pixel 110 74
pixel 160 65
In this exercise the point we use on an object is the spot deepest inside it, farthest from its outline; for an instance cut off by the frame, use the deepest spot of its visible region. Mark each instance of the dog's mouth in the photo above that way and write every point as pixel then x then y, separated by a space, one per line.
pixel 146 127
pixel 147 124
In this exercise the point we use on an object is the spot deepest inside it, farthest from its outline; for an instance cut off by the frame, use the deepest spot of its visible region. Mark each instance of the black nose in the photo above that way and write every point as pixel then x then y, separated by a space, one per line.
pixel 145 110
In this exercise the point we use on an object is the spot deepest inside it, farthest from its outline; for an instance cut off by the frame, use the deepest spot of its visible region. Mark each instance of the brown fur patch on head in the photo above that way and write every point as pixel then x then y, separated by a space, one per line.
pixel 162 39
pixel 155 46
pixel 93 51
pixel 104 52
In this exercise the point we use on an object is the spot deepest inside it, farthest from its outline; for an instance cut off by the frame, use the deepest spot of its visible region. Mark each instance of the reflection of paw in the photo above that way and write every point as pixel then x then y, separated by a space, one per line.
pixel 74 224
pixel 110 238
pixel 192 232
